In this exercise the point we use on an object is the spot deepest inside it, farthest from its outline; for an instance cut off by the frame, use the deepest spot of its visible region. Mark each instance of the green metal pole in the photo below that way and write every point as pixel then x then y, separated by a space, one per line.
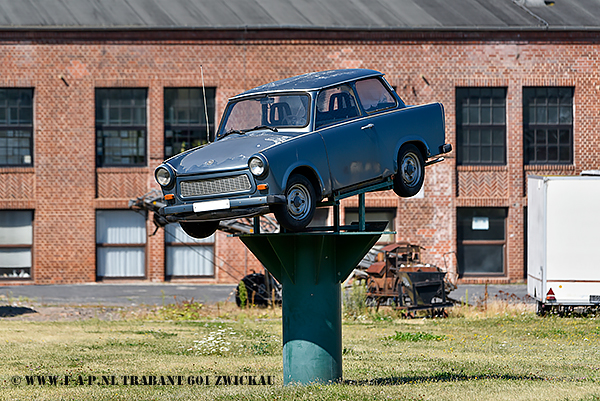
pixel 311 267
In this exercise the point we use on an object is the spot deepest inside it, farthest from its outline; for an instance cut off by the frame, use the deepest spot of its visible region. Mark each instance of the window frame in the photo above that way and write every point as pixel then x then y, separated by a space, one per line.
pixel 20 127
pixel 530 137
pixel 107 126
pixel 382 240
pixel 22 246
pixel 385 87
pixel 328 123
pixel 178 244
pixel 143 245
pixel 190 127
pixel 486 242
pixel 462 154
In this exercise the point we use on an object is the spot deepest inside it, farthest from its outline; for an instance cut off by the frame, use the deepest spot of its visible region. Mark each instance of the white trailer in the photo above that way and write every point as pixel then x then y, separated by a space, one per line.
pixel 563 241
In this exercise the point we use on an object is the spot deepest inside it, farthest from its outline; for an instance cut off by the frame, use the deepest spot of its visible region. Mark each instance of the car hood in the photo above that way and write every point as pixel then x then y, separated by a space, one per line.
pixel 229 153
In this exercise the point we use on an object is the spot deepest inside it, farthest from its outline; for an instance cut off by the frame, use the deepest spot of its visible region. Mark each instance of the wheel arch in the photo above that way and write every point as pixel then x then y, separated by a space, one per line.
pixel 310 174
pixel 421 146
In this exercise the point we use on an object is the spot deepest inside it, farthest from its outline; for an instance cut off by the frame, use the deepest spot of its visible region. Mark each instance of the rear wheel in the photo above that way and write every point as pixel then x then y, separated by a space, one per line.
pixel 411 171
pixel 299 208
pixel 199 229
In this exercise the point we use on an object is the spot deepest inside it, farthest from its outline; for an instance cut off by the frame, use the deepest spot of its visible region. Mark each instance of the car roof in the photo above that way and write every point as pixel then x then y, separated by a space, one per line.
pixel 312 81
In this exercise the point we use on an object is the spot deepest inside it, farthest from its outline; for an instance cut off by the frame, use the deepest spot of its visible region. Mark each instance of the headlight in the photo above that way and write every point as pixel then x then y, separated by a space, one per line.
pixel 258 166
pixel 164 176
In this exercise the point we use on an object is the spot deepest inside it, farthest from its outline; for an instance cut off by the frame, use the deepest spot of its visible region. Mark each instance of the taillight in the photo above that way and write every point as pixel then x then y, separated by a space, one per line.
pixel 550 296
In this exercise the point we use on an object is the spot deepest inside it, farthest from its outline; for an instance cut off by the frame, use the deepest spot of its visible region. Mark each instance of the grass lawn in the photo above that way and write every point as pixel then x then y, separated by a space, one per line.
pixel 504 352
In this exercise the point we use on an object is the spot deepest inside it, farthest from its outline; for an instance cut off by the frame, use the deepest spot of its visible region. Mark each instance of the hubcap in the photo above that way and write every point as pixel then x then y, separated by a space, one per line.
pixel 410 170
pixel 298 201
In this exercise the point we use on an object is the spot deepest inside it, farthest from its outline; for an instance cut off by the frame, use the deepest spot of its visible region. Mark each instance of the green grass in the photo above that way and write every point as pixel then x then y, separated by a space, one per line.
pixel 472 355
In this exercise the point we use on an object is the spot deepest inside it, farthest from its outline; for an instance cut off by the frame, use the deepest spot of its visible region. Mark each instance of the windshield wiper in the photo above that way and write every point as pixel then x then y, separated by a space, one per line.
pixel 242 132
pixel 233 131
pixel 261 127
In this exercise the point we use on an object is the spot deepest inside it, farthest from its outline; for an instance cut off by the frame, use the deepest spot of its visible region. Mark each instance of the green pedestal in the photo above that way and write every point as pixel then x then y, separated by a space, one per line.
pixel 310 268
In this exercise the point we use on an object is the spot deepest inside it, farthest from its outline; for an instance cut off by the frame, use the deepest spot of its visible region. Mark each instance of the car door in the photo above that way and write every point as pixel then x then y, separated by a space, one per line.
pixel 352 147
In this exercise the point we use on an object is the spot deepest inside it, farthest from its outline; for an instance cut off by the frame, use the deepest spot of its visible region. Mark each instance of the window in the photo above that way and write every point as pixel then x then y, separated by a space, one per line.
pixel 16 239
pixel 16 127
pixel 335 105
pixel 481 126
pixel 187 256
pixel 185 118
pixel 374 96
pixel 120 243
pixel 351 216
pixel 548 125
pixel 120 127
pixel 481 240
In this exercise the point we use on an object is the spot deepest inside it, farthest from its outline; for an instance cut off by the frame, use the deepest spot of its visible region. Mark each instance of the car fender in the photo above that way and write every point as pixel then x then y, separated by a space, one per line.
pixel 303 152
pixel 416 139
pixel 303 165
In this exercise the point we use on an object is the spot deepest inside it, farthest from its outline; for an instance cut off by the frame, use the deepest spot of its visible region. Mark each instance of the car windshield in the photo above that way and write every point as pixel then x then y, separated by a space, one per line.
pixel 275 111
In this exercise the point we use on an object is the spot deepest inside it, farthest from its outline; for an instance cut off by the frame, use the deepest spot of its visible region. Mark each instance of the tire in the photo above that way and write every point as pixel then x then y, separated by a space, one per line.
pixel 301 202
pixel 256 290
pixel 199 230
pixel 411 171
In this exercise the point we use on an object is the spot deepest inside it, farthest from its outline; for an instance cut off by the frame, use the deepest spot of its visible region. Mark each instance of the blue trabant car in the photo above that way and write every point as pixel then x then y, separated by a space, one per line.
pixel 284 146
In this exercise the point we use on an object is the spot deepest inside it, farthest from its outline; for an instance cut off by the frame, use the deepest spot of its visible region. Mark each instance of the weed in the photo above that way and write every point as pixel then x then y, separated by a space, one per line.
pixel 419 336
pixel 243 294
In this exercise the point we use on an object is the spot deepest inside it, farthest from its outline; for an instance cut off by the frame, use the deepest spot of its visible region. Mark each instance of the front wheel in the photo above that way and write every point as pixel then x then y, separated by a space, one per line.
pixel 199 230
pixel 411 171
pixel 300 204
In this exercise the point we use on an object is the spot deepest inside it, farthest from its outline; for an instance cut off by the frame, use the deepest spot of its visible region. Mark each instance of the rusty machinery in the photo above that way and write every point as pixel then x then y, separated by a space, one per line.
pixel 403 281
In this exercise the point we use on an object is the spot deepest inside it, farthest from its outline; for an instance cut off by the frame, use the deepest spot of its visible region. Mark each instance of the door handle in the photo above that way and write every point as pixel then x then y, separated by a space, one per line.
pixel 368 126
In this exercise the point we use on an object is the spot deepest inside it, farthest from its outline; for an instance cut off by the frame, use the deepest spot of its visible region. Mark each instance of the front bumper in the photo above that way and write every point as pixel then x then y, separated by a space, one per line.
pixel 238 207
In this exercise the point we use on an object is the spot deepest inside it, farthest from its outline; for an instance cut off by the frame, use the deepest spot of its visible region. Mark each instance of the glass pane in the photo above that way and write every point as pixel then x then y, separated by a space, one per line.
pixel 495 231
pixel 474 137
pixel 486 154
pixel 486 137
pixel 540 154
pixel 474 115
pixel 473 155
pixel 540 115
pixel 498 137
pixel 498 155
pixel 351 216
pixel 373 95
pixel 552 136
pixel 552 153
pixel 120 227
pixel 481 259
pixel 566 114
pixel 120 262
pixel 565 137
pixel 15 258
pixel 486 115
pixel 190 261
pixel 499 115
pixel 16 227
pixel 565 154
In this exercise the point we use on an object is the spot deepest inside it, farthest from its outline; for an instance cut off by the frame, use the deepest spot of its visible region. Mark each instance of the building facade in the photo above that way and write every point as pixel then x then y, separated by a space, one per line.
pixel 86 116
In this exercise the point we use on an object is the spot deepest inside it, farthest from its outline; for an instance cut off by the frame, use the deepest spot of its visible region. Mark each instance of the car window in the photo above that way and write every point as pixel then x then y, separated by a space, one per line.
pixel 277 111
pixel 335 105
pixel 374 96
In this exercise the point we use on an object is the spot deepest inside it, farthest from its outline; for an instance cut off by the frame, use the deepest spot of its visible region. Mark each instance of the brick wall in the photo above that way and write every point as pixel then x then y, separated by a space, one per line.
pixel 65 188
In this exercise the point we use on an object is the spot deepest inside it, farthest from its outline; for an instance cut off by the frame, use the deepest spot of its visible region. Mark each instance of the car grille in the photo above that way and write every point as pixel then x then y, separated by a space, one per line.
pixel 215 186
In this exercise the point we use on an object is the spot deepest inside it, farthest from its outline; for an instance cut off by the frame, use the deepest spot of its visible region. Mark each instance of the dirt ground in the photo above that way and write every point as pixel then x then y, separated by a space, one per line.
pixel 42 313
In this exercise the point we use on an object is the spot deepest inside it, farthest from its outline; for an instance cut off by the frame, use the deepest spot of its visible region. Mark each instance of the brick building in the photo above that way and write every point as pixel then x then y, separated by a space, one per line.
pixel 92 99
